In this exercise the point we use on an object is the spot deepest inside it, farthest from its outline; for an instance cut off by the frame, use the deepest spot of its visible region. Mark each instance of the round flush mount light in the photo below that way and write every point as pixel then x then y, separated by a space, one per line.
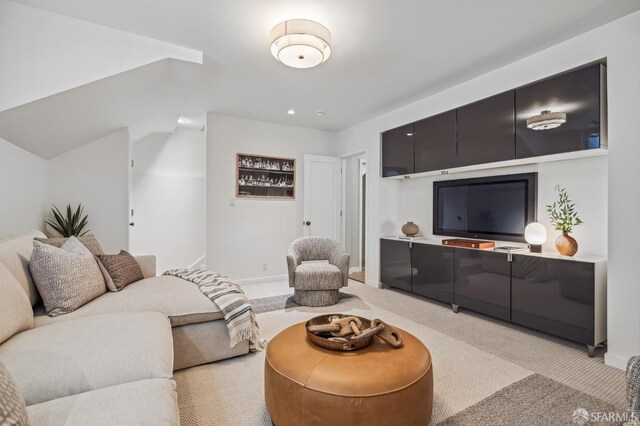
pixel 535 234
pixel 291 111
pixel 300 43
pixel 319 113
pixel 546 120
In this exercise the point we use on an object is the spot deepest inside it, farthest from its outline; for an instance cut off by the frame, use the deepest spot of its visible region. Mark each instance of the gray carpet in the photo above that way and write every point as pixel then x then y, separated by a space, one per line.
pixel 478 379
pixel 280 302
pixel 534 401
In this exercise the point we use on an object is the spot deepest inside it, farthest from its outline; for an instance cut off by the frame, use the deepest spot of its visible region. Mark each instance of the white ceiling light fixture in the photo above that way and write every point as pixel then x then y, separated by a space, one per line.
pixel 319 113
pixel 546 120
pixel 300 43
pixel 291 111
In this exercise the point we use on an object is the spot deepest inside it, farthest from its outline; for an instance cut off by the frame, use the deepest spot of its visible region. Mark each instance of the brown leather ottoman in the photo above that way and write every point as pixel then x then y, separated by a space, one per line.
pixel 378 385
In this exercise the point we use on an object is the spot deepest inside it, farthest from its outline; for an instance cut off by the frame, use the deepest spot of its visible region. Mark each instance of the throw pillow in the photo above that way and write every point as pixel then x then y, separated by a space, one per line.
pixel 66 277
pixel 122 269
pixel 13 410
pixel 89 241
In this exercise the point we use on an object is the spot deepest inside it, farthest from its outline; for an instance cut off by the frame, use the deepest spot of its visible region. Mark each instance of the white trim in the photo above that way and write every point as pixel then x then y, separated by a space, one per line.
pixel 269 279
pixel 587 153
pixel 362 208
pixel 373 283
pixel 197 262
pixel 343 203
pixel 615 361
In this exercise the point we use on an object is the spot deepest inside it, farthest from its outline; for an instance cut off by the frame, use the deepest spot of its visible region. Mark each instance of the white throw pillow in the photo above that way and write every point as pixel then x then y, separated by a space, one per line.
pixel 66 277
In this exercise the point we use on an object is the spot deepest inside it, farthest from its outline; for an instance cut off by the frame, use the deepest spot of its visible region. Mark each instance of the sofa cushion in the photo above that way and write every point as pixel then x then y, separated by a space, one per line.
pixel 147 402
pixel 13 410
pixel 83 354
pixel 318 276
pixel 89 241
pixel 178 299
pixel 16 313
pixel 15 253
pixel 119 270
pixel 66 277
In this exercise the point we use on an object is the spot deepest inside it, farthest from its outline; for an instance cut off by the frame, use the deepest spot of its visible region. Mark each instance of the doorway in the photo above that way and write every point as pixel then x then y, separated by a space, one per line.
pixel 168 198
pixel 354 213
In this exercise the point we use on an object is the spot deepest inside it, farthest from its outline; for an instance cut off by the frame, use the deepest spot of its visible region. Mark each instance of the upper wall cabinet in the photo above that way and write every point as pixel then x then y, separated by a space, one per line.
pixel 485 131
pixel 573 100
pixel 397 151
pixel 435 143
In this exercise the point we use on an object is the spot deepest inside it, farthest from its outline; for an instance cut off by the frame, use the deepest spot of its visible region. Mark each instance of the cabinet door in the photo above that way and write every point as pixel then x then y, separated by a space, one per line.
pixel 486 131
pixel 577 94
pixel 483 282
pixel 435 142
pixel 433 271
pixel 395 264
pixel 397 151
pixel 554 296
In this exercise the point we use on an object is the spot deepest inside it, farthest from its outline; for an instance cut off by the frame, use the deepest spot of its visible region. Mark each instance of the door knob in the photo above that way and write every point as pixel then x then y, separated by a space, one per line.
pixel 306 223
pixel 131 224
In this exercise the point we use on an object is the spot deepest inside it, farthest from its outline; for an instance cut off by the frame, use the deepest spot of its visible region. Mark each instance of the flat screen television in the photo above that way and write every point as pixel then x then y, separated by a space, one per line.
pixel 495 207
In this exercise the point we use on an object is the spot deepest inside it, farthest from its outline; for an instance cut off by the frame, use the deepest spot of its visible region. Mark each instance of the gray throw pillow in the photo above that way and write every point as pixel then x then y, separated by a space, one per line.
pixel 89 241
pixel 13 410
pixel 66 277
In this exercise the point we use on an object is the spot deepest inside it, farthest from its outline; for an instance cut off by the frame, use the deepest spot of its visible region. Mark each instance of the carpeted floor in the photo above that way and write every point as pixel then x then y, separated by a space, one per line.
pixel 485 371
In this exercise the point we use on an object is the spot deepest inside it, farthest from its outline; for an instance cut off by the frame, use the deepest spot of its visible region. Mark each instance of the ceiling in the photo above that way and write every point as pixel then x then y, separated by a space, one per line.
pixel 386 54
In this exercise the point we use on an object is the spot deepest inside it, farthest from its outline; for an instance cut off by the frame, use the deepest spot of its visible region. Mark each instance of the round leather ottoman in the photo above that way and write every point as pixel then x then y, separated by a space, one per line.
pixel 378 385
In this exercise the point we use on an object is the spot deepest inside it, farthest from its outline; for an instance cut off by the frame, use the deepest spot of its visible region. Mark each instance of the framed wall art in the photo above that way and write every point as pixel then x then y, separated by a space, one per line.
pixel 261 176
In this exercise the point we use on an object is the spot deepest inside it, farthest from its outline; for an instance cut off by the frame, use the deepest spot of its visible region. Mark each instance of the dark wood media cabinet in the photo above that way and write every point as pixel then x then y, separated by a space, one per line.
pixel 562 296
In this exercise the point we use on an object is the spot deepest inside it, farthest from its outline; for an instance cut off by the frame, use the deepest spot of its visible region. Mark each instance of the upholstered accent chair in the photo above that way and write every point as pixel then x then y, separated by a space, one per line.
pixel 317 283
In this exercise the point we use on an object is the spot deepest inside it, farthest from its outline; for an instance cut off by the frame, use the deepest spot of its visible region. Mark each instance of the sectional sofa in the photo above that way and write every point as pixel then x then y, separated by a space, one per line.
pixel 112 360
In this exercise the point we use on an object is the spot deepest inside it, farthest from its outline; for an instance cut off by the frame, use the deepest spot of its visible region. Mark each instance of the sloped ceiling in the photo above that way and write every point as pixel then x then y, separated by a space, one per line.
pixel 386 54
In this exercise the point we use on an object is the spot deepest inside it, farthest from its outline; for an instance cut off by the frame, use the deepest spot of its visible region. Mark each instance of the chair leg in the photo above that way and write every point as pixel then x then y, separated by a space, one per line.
pixel 316 297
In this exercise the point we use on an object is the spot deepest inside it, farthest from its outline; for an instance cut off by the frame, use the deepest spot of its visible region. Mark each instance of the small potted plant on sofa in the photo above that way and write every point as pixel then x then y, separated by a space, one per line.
pixel 72 224
pixel 563 215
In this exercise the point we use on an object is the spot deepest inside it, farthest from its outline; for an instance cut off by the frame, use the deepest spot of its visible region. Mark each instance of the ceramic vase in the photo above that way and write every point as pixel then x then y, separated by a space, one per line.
pixel 410 229
pixel 566 245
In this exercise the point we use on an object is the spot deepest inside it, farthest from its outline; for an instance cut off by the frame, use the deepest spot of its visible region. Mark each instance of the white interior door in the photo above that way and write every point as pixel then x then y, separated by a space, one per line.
pixel 322 198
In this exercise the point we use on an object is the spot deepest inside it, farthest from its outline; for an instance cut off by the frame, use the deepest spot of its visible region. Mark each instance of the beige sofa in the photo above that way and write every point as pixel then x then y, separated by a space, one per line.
pixel 111 361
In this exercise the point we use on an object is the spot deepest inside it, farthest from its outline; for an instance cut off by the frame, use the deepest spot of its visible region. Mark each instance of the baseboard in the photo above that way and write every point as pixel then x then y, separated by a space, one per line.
pixel 373 283
pixel 355 269
pixel 615 361
pixel 269 279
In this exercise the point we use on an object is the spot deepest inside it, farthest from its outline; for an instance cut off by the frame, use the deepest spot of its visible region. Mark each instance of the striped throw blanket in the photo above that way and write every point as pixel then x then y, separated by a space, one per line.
pixel 231 300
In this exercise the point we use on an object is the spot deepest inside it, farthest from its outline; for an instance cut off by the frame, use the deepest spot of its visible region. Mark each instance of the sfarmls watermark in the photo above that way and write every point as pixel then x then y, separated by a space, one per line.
pixel 581 416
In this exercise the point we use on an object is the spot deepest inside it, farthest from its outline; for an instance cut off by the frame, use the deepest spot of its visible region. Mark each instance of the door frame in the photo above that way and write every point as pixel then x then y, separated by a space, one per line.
pixel 307 192
pixel 343 219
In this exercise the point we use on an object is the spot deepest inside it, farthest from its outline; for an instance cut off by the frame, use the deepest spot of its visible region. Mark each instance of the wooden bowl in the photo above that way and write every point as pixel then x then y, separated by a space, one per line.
pixel 323 341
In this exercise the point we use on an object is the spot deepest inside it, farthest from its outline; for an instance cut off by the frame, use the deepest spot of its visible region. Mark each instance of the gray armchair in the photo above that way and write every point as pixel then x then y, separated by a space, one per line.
pixel 317 283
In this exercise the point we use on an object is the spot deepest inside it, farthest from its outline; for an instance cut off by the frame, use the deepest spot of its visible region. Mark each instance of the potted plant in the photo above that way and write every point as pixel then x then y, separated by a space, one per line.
pixel 70 225
pixel 563 216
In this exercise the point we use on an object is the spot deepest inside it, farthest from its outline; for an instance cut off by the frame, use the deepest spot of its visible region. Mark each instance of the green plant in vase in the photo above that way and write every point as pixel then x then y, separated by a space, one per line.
pixel 70 225
pixel 564 217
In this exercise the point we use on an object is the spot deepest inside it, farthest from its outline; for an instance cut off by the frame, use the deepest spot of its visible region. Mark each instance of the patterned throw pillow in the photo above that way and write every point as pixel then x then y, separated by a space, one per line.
pixel 120 270
pixel 89 241
pixel 66 277
pixel 13 410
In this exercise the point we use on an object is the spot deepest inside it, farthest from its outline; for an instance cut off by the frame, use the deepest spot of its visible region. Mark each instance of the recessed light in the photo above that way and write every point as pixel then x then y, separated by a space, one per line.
pixel 409 134
pixel 182 120
pixel 291 112
pixel 319 113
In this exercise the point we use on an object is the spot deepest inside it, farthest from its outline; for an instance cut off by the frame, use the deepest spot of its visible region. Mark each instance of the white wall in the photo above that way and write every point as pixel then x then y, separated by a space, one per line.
pixel 23 189
pixel 65 53
pixel 619 43
pixel 351 208
pixel 169 198
pixel 585 180
pixel 241 238
pixel 96 175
